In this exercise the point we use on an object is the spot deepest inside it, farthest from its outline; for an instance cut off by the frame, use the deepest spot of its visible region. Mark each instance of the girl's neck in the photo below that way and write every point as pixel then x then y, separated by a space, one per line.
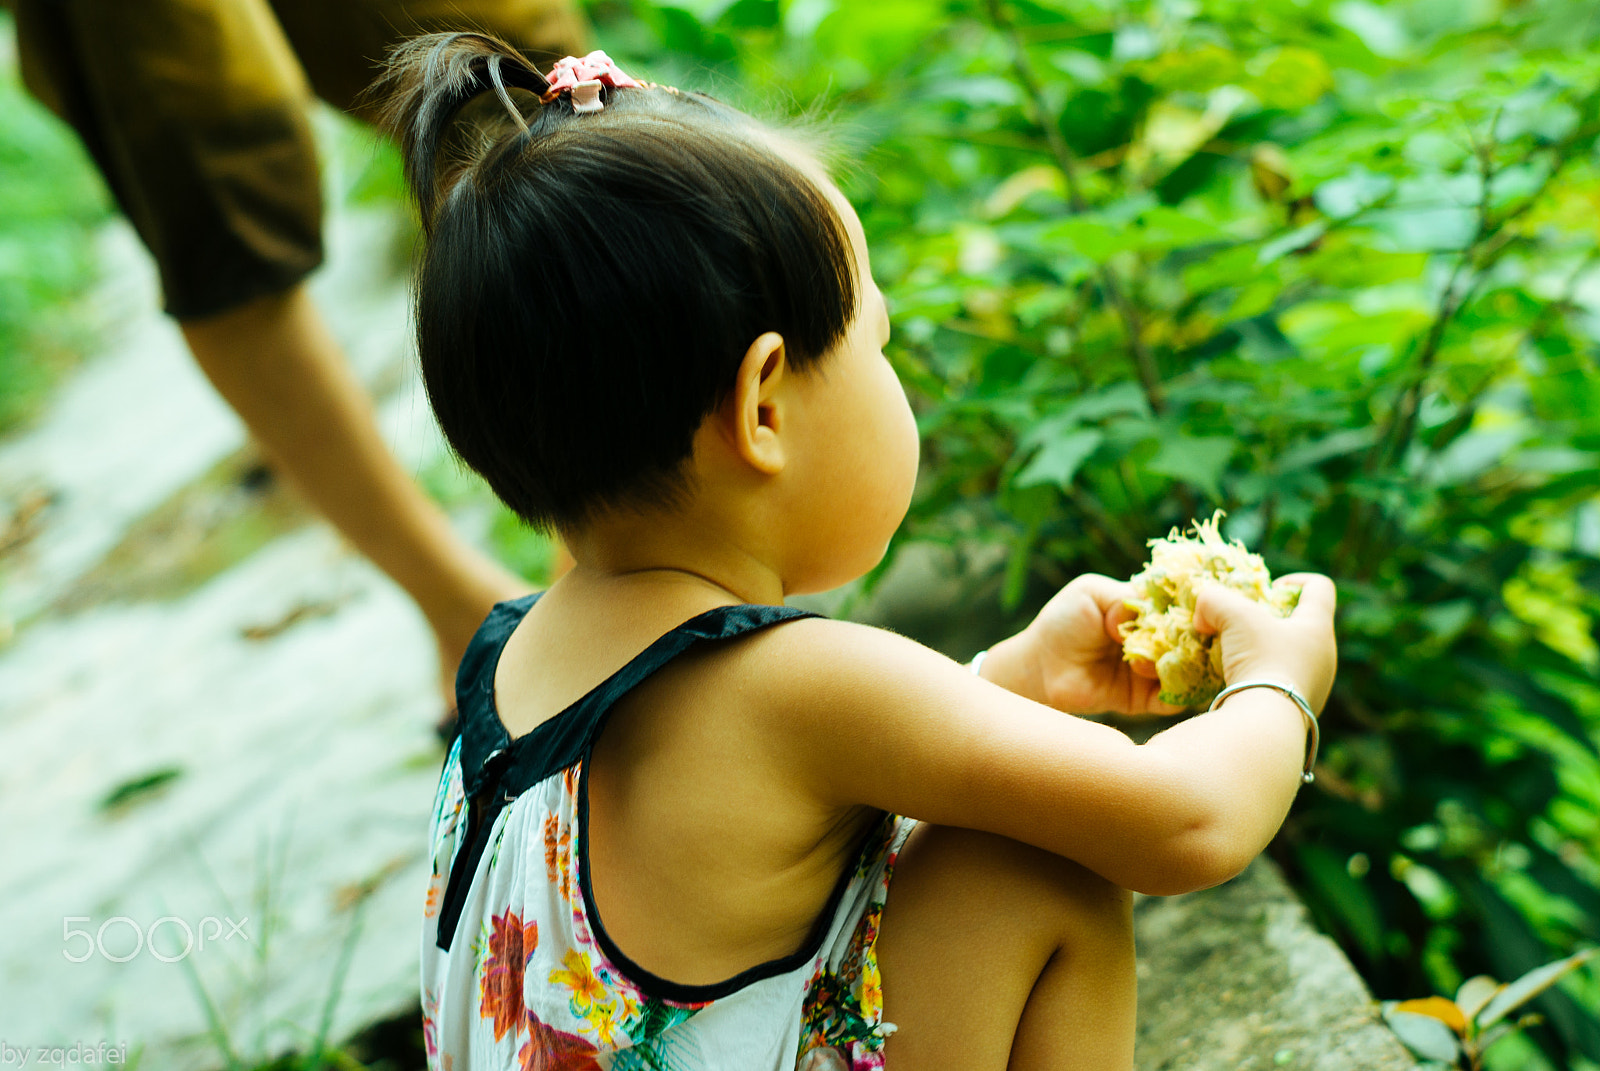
pixel 670 558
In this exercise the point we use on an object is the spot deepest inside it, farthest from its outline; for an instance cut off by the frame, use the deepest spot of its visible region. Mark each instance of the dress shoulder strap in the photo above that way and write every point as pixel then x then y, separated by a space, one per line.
pixel 487 750
pixel 567 737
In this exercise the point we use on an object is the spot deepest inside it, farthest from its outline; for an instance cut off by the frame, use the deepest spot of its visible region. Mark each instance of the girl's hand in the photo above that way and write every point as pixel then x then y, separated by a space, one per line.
pixel 1070 657
pixel 1257 644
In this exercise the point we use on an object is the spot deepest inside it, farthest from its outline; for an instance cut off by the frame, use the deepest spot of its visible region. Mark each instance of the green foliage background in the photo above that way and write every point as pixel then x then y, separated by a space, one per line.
pixel 1330 266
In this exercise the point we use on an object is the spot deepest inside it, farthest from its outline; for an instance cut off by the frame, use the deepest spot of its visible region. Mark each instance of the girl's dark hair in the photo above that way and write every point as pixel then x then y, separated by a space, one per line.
pixel 591 282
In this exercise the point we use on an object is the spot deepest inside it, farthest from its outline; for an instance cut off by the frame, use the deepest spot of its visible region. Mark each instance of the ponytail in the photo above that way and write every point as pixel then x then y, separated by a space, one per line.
pixel 427 82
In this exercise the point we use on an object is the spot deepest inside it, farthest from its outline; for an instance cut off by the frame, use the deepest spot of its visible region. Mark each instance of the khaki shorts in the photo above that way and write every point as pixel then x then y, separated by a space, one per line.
pixel 196 113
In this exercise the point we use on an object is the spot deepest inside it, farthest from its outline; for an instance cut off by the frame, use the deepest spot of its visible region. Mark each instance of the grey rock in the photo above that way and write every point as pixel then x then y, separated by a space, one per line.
pixel 1236 978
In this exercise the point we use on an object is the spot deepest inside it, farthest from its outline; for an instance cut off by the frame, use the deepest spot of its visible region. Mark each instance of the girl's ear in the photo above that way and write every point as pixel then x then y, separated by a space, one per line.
pixel 755 413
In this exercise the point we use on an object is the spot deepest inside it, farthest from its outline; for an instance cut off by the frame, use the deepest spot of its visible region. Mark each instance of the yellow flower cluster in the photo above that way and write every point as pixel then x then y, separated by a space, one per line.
pixel 1189 664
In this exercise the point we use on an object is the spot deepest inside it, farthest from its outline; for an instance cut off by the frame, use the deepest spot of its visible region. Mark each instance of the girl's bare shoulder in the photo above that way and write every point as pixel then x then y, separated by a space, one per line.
pixel 862 716
pixel 867 716
pixel 825 660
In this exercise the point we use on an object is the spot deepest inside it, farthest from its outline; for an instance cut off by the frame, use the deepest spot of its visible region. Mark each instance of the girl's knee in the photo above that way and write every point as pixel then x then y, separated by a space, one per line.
pixel 1090 909
pixel 1052 941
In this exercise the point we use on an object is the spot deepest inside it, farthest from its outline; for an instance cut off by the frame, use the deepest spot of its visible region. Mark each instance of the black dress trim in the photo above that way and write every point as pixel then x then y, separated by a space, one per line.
pixel 485 746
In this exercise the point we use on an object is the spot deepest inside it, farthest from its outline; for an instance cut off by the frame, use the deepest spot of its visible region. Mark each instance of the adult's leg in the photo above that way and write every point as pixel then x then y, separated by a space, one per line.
pixel 277 364
pixel 997 955
pixel 195 111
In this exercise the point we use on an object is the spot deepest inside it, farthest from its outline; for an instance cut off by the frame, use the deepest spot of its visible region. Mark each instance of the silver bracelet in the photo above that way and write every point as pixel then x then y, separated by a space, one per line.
pixel 977 662
pixel 1306 776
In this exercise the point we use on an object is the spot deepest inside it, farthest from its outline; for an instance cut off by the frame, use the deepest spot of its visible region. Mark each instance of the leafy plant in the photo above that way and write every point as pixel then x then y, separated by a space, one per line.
pixel 1329 265
pixel 1457 1033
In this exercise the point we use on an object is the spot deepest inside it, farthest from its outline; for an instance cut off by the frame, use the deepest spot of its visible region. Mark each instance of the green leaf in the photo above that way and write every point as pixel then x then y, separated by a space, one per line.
pixel 1379 28
pixel 1197 460
pixel 139 788
pixel 1017 566
pixel 1515 994
pixel 1101 237
pixel 1338 444
pixel 1424 1035
pixel 1476 452
pixel 1290 78
pixel 1494 1034
pixel 1059 459
pixel 1446 620
pixel 1119 398
pixel 1474 993
pixel 1357 191
pixel 1290 242
pixel 1095 239
pixel 1443 228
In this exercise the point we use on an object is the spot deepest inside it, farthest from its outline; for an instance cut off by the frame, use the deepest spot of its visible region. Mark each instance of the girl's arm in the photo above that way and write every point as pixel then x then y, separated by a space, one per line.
pixel 875 719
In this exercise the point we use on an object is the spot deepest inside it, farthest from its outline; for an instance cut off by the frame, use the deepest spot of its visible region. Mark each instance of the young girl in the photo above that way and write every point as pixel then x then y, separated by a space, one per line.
pixel 666 835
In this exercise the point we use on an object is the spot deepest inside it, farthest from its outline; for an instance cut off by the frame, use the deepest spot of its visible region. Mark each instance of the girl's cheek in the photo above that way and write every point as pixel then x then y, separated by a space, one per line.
pixel 911 444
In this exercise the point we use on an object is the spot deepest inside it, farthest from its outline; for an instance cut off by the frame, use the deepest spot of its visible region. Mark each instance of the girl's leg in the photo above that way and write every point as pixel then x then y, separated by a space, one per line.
pixel 997 955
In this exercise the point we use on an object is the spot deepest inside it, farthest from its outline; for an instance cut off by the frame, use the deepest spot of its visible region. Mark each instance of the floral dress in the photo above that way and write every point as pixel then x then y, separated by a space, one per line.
pixel 518 972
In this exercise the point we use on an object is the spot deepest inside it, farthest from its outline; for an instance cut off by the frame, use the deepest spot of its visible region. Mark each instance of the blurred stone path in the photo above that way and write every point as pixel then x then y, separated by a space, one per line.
pixel 256 746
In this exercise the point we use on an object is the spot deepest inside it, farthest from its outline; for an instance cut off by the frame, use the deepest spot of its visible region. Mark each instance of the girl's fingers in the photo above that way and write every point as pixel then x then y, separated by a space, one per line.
pixel 1318 596
pixel 1292 581
pixel 1116 617
pixel 1110 598
pixel 1106 592
pixel 1217 607
pixel 1147 696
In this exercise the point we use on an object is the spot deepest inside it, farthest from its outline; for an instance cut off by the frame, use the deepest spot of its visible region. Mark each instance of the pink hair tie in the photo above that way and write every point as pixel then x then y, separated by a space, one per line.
pixel 584 77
